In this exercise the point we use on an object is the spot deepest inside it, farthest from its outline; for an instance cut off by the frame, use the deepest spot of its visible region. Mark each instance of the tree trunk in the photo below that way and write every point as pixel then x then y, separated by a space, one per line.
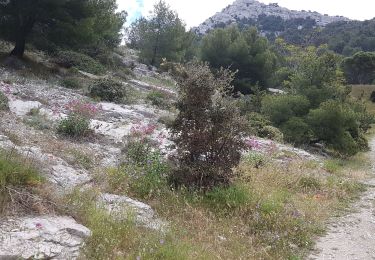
pixel 24 28
pixel 19 49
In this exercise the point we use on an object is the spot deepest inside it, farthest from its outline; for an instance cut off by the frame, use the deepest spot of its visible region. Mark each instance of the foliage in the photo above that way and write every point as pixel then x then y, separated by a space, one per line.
pixel 227 198
pixel 37 120
pixel 243 51
pixel 77 123
pixel 71 82
pixel 360 68
pixel 68 24
pixel 15 172
pixel 281 108
pixel 80 61
pixel 120 235
pixel 144 171
pixel 208 130
pixel 296 131
pixel 159 99
pixel 336 124
pixel 162 35
pixel 3 102
pixel 347 38
pixel 108 90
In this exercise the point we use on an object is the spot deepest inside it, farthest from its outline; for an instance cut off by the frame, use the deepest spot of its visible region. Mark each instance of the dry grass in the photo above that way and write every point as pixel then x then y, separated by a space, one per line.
pixel 363 92
pixel 271 212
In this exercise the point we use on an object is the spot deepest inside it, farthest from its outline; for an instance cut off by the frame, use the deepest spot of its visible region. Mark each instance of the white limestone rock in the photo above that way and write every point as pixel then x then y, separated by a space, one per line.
pixel 245 9
pixel 45 237
pixel 21 108
pixel 118 206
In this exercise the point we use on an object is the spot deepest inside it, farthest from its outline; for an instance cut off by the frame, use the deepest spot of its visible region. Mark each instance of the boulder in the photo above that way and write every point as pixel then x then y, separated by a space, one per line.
pixel 46 237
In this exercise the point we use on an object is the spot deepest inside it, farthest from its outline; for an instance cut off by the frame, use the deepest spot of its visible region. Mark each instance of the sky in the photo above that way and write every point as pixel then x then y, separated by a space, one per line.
pixel 194 12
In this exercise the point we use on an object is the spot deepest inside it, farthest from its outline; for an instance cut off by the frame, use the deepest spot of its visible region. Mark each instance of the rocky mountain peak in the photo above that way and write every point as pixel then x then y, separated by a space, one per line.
pixel 252 9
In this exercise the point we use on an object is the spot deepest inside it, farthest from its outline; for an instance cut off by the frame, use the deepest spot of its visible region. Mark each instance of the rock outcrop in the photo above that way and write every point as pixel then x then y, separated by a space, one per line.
pixel 46 237
pixel 252 9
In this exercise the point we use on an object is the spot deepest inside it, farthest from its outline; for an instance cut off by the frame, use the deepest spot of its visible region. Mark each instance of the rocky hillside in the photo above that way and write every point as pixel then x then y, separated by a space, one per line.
pixel 249 11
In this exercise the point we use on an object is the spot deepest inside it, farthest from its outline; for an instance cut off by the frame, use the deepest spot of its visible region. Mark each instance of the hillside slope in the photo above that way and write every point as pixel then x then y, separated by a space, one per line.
pixel 249 11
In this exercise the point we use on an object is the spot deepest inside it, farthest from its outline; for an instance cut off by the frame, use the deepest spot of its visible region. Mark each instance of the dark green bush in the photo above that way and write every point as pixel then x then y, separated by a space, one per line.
pixel 80 61
pixel 336 124
pixel 71 82
pixel 3 102
pixel 281 108
pixel 372 97
pixel 260 126
pixel 108 90
pixel 296 131
pixel 273 133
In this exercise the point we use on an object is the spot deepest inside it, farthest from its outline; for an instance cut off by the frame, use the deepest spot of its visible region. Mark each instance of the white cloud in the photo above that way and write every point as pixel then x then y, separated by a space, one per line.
pixel 194 12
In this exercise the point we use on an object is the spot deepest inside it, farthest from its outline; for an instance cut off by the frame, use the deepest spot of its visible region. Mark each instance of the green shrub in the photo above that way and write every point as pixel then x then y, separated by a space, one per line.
pixel 296 131
pixel 281 108
pixel 273 133
pixel 310 183
pixel 71 82
pixel 80 61
pixel 108 90
pixel 229 198
pixel 255 160
pixel 74 126
pixel 151 177
pixel 257 122
pixel 77 123
pixel 3 102
pixel 16 171
pixel 158 98
pixel 336 124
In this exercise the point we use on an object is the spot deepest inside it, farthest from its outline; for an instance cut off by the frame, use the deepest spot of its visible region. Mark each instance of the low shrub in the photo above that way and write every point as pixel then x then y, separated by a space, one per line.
pixel 281 108
pixel 3 102
pixel 108 90
pixel 159 99
pixel 296 131
pixel 255 160
pixel 272 133
pixel 71 82
pixel 15 172
pixel 144 169
pixel 310 183
pixel 77 123
pixel 227 198
pixel 372 97
pixel 80 61
pixel 37 120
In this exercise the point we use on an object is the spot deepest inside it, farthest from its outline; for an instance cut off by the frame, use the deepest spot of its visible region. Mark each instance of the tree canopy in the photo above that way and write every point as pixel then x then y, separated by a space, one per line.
pixel 360 68
pixel 162 35
pixel 243 51
pixel 60 23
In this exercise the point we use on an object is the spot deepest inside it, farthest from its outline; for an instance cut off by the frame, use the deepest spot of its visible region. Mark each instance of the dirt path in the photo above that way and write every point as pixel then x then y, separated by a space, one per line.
pixel 352 237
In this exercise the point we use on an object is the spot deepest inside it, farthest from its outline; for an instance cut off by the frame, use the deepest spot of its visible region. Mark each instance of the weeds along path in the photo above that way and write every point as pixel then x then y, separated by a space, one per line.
pixel 352 237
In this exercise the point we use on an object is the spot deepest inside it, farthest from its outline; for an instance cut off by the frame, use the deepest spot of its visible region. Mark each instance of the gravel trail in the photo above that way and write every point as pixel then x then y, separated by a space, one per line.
pixel 352 237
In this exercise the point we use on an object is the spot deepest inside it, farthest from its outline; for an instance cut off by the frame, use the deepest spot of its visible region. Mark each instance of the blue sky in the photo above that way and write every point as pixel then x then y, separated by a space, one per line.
pixel 194 12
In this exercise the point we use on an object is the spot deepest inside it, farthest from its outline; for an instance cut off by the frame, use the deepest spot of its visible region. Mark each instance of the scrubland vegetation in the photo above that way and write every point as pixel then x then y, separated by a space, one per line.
pixel 220 198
